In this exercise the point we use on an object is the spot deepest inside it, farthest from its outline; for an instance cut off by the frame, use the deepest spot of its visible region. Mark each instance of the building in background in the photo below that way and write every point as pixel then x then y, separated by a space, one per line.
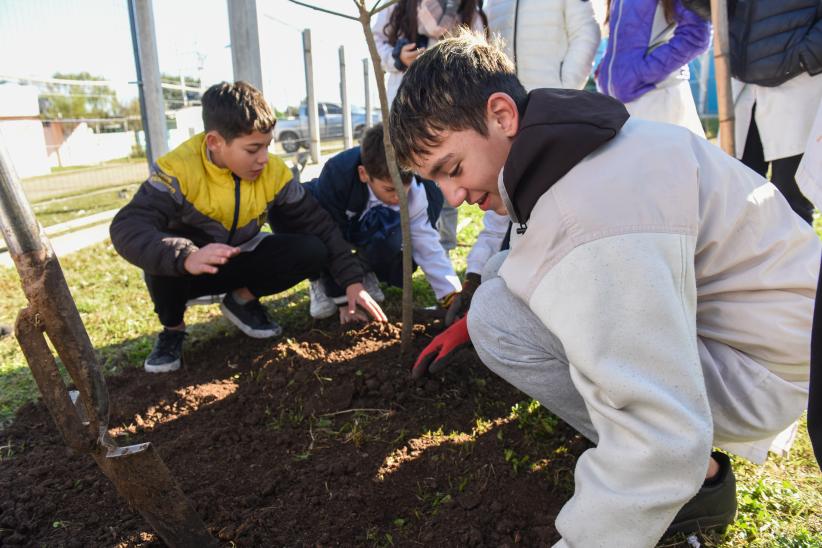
pixel 22 131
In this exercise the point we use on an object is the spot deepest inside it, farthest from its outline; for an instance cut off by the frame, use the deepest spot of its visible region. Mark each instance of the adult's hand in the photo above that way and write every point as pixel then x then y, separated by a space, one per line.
pixel 409 53
pixel 208 258
pixel 357 295
pixel 462 301
pixel 441 349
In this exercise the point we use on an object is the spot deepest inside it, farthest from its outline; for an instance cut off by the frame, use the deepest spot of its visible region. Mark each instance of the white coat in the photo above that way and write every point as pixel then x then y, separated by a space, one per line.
pixel 784 114
pixel 555 40
pixel 386 50
pixel 809 174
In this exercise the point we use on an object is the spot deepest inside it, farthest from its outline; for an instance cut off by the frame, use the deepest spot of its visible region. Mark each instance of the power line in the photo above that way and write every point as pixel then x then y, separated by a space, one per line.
pixel 94 83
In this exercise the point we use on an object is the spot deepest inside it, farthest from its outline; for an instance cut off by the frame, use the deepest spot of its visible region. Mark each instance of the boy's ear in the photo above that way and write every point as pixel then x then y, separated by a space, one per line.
pixel 362 173
pixel 214 141
pixel 502 112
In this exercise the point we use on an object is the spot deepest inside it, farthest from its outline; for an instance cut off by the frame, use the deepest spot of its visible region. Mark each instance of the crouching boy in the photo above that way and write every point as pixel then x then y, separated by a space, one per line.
pixel 657 295
pixel 194 226
pixel 356 190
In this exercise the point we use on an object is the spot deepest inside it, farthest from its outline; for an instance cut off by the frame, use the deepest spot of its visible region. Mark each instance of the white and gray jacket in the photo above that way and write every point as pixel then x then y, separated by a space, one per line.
pixel 640 257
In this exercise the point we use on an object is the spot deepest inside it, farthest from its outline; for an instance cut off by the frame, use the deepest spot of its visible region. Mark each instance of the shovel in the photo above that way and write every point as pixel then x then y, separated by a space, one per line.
pixel 137 471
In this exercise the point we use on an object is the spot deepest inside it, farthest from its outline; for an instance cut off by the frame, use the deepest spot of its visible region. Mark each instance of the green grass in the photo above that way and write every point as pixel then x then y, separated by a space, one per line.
pixel 112 300
pixel 779 502
pixel 52 212
pixel 69 169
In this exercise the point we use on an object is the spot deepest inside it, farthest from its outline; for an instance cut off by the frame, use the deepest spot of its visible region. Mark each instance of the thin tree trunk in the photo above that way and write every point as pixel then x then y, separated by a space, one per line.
pixel 391 158
pixel 719 18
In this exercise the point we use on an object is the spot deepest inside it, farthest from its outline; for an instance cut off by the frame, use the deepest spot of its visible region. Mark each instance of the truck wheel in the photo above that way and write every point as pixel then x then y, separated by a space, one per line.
pixel 290 141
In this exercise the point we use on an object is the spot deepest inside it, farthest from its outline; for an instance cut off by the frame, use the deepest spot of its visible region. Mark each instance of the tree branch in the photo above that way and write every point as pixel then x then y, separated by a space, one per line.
pixel 338 14
pixel 377 8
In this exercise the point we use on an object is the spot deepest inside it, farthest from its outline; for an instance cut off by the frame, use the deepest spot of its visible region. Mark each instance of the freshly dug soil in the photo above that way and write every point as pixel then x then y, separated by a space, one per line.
pixel 317 440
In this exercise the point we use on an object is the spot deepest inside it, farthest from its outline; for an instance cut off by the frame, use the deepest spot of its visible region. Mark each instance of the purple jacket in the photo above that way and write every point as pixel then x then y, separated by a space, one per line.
pixel 628 70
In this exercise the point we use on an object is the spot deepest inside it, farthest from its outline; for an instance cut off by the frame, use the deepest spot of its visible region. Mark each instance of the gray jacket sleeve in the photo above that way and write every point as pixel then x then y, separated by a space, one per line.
pixel 297 210
pixel 140 232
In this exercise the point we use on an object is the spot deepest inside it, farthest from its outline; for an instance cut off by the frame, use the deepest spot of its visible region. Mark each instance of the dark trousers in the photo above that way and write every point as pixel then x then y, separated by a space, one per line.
pixel 783 171
pixel 278 262
pixel 383 257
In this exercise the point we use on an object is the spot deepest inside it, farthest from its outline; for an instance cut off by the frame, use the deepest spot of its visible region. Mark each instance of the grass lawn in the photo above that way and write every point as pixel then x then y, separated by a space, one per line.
pixel 779 502
pixel 52 212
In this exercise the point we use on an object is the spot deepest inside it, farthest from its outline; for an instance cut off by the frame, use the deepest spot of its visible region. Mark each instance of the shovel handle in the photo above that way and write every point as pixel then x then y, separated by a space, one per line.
pixel 48 379
pixel 54 308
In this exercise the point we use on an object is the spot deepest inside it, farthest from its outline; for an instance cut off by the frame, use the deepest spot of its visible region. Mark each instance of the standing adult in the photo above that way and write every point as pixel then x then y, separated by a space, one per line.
pixel 645 65
pixel 552 42
pixel 776 57
pixel 402 32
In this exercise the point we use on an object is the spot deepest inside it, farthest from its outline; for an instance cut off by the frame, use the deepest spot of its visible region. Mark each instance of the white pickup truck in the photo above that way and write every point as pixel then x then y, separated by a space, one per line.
pixel 292 133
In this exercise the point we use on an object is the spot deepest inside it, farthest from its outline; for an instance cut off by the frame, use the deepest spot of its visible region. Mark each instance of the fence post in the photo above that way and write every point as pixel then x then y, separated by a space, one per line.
pixel 245 42
pixel 348 139
pixel 366 72
pixel 722 70
pixel 311 99
pixel 147 64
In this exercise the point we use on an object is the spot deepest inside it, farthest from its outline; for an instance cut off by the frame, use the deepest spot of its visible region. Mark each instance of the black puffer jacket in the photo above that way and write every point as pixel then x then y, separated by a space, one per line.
pixel 774 40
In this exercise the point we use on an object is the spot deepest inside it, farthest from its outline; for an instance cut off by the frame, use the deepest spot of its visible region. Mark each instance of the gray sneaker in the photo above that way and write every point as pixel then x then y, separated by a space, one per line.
pixel 251 318
pixel 372 285
pixel 167 354
pixel 322 306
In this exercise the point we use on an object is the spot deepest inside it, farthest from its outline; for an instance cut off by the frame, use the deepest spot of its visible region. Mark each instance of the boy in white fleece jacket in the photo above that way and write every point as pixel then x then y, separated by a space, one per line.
pixel 657 296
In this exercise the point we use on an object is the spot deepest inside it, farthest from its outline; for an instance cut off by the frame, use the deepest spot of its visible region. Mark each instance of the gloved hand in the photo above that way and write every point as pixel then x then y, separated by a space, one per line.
pixel 441 349
pixel 462 301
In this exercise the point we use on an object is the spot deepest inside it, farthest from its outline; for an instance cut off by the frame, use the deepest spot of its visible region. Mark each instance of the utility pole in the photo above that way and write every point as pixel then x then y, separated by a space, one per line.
pixel 147 65
pixel 348 139
pixel 311 99
pixel 183 88
pixel 366 70
pixel 245 42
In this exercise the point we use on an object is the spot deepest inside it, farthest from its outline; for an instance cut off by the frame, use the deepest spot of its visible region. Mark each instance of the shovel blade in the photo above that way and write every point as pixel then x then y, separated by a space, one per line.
pixel 142 478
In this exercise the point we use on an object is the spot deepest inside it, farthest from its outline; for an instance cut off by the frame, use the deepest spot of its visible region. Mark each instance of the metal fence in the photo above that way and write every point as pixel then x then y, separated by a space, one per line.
pixel 73 122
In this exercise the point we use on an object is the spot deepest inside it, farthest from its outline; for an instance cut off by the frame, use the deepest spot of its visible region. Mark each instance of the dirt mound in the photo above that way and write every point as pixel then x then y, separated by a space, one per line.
pixel 320 439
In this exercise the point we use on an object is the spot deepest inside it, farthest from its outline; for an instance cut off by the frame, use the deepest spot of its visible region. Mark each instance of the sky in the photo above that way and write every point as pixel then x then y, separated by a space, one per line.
pixel 41 37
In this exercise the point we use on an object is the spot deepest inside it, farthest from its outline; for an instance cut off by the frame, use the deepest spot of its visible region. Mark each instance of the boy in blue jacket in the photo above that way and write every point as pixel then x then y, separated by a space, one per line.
pixel 356 190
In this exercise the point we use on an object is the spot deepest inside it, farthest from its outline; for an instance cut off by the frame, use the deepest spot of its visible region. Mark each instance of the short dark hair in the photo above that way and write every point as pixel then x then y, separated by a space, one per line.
pixel 372 156
pixel 446 89
pixel 237 109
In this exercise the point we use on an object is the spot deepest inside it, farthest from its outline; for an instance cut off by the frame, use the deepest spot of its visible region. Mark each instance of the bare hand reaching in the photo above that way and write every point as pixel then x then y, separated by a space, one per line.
pixel 357 295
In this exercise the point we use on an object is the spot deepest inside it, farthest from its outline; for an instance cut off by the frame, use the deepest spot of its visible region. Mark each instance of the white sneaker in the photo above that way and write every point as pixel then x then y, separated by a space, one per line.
pixel 372 285
pixel 322 306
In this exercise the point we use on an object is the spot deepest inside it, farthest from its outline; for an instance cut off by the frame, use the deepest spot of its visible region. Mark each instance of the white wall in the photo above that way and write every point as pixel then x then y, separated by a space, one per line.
pixel 26 144
pixel 24 139
pixel 84 147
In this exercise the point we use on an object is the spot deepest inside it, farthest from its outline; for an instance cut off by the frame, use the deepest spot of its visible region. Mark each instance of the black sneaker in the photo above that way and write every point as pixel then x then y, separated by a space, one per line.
pixel 167 353
pixel 251 318
pixel 713 507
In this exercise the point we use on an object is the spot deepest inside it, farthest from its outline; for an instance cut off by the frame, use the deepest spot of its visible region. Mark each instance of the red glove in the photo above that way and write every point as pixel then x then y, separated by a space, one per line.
pixel 442 348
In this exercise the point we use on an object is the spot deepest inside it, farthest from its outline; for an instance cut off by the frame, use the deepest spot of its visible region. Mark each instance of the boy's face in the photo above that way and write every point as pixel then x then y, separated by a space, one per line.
pixel 383 189
pixel 245 156
pixel 466 164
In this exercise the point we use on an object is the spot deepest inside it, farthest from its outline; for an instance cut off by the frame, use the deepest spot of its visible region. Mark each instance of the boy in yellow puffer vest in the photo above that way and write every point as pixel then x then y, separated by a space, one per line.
pixel 194 226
